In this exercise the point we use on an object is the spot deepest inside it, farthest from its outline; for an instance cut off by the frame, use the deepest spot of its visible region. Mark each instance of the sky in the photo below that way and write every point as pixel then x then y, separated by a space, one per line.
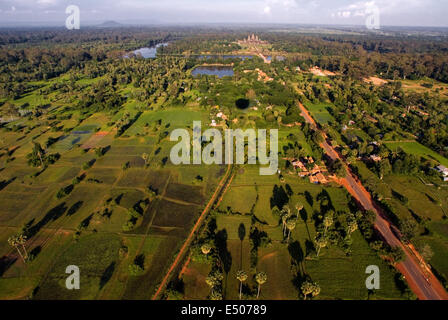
pixel 333 12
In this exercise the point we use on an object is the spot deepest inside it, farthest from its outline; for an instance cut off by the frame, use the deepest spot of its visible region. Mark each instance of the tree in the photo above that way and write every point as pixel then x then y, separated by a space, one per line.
pixel 261 279
pixel 206 248
pixel 145 158
pixel 321 242
pixel 286 213
pixel 352 226
pixel 299 207
pixel 328 222
pixel 309 287
pixel 397 255
pixel 215 295
pixel 241 276
pixel 338 168
pixel 290 225
pixel 316 289
pixel 408 228
pixel 426 252
pixel 37 157
pixel 211 281
pixel 14 241
pixel 384 168
pixel 21 240
pixel 10 110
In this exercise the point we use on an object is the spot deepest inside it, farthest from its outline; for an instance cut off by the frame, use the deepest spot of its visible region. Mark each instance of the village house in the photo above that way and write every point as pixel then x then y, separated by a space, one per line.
pixel 444 171
pixel 375 158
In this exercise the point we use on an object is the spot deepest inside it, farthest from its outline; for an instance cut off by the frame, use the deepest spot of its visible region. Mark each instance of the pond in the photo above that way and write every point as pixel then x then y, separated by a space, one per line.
pixel 149 53
pixel 219 71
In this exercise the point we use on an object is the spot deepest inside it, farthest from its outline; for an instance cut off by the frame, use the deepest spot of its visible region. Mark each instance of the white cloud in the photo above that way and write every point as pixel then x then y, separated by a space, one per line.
pixel 267 10
pixel 47 2
pixel 344 14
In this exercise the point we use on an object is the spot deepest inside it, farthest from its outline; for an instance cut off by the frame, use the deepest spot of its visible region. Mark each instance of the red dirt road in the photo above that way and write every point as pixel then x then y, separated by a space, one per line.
pixel 419 277
pixel 187 242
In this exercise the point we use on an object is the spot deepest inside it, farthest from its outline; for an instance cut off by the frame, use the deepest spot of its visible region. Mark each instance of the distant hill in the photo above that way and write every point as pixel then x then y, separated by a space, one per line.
pixel 110 24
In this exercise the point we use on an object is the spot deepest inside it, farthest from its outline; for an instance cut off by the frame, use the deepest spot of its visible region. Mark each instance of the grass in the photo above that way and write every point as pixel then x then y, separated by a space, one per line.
pixel 320 112
pixel 417 149
pixel 95 255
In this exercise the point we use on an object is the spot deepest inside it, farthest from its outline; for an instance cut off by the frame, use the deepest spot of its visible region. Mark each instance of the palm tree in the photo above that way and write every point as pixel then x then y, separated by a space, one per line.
pixel 206 248
pixel 145 157
pixel 211 281
pixel 261 278
pixel 40 152
pixel 316 289
pixel 299 207
pixel 290 225
pixel 286 213
pixel 328 221
pixel 321 242
pixel 352 226
pixel 307 288
pixel 241 276
pixel 215 295
pixel 21 240
pixel 14 242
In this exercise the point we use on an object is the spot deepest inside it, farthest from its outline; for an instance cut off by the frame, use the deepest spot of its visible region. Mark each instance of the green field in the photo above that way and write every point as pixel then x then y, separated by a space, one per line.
pixel 320 112
pixel 417 149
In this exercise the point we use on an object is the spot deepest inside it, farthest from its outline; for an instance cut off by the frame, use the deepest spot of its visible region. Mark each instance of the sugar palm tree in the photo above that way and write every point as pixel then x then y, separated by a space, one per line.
pixel 14 242
pixel 316 289
pixel 352 226
pixel 307 288
pixel 261 278
pixel 241 276
pixel 206 248
pixel 145 158
pixel 321 242
pixel 328 221
pixel 21 240
pixel 215 295
pixel 290 225
pixel 211 281
pixel 299 207
pixel 286 213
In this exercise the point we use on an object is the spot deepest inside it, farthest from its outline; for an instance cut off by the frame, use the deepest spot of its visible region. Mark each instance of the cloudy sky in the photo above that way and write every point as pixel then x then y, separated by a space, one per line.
pixel 392 12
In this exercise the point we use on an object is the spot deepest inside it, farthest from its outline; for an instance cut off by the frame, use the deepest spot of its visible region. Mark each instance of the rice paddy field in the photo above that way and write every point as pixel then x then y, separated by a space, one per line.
pixel 339 275
pixel 85 224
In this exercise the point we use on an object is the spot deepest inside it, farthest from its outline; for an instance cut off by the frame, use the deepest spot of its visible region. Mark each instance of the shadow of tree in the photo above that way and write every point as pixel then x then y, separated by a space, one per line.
pixel 51 215
pixel 223 252
pixel 279 197
pixel 241 236
pixel 107 274
pixel 309 247
pixel 5 263
pixel 309 198
pixel 74 208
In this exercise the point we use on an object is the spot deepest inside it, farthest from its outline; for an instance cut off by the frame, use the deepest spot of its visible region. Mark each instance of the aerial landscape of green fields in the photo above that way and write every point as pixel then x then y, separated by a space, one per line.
pixel 93 205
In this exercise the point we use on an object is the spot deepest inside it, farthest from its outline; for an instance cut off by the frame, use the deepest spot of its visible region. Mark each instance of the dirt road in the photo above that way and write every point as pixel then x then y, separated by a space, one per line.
pixel 419 277
pixel 222 187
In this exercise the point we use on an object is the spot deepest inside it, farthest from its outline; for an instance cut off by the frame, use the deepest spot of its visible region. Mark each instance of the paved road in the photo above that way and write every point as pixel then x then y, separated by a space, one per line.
pixel 419 277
